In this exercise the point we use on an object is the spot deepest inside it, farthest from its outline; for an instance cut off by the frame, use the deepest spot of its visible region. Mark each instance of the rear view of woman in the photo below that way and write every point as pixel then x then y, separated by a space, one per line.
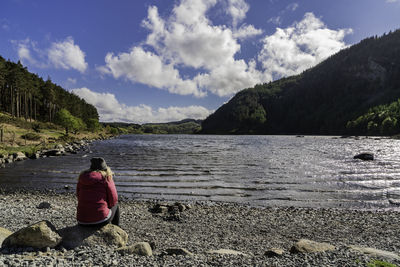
pixel 97 195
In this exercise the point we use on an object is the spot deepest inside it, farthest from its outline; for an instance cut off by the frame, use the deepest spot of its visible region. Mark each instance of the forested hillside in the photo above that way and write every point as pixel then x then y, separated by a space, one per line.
pixel 26 95
pixel 326 99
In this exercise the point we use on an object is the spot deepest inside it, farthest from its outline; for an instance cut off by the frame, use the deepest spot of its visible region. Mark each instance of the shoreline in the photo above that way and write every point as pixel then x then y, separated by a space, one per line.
pixel 207 226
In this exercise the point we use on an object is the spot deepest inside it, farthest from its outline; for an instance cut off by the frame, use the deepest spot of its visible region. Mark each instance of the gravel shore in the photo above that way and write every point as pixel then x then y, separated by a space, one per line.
pixel 207 226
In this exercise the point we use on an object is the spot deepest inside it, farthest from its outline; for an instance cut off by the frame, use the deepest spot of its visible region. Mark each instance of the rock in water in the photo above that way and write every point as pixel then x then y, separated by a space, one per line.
pixel 108 235
pixel 364 156
pixel 309 246
pixel 4 233
pixel 39 235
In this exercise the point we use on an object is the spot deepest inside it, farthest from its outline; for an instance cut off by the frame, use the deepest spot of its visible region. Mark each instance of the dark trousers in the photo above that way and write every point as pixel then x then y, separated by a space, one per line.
pixel 114 219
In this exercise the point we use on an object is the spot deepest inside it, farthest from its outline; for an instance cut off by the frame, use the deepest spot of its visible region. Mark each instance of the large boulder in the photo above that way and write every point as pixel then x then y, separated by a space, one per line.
pixel 108 235
pixel 4 233
pixel 39 235
pixel 309 246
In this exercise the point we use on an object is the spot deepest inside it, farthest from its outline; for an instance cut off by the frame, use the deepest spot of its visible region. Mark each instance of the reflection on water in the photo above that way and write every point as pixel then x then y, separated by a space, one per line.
pixel 259 170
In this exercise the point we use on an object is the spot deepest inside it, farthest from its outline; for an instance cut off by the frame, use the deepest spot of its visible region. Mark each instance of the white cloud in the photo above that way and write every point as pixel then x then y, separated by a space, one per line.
pixel 71 81
pixel 148 68
pixel 187 39
pixel 294 49
pixel 292 6
pixel 246 31
pixel 110 110
pixel 392 1
pixel 188 42
pixel 67 55
pixel 237 9
pixel 24 53
pixel 277 20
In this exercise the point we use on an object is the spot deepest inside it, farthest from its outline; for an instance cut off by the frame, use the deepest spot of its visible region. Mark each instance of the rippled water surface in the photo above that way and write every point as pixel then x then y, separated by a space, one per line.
pixel 259 170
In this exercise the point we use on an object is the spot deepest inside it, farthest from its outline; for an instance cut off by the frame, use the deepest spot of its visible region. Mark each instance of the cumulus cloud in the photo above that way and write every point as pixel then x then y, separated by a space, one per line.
pixel 188 39
pixel 148 68
pixel 110 109
pixel 187 42
pixel 294 49
pixel 67 55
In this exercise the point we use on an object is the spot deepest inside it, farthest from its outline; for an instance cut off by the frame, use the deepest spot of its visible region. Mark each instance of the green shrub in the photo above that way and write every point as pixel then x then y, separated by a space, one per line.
pixel 31 136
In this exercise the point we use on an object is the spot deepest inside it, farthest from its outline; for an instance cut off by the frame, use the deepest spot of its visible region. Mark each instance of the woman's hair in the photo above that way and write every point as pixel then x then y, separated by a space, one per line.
pixel 106 174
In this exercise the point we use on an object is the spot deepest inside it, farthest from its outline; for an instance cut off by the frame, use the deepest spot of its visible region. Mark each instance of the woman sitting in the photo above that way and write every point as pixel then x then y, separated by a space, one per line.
pixel 97 196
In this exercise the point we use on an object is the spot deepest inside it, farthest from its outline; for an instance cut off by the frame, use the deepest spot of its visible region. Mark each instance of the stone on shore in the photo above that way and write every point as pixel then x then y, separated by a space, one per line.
pixel 19 156
pixel 376 252
pixel 89 236
pixel 44 205
pixel 309 246
pixel 178 251
pixel 39 235
pixel 274 252
pixel 4 233
pixel 226 252
pixel 139 248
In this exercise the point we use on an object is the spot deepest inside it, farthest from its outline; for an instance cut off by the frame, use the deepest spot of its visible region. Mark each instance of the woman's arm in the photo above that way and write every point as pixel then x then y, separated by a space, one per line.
pixel 112 195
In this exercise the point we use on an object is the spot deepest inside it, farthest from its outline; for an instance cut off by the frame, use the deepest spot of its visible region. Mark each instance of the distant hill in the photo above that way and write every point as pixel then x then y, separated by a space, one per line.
pixel 187 126
pixel 333 97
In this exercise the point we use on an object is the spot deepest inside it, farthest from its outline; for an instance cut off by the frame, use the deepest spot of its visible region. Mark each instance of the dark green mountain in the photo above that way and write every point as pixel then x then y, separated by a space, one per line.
pixel 326 99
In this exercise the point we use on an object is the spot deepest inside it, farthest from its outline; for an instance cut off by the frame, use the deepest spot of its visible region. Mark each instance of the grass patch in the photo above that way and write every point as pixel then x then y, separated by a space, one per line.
pixel 378 263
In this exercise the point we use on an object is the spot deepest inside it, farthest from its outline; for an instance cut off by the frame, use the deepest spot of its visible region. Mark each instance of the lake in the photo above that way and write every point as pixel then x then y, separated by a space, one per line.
pixel 310 171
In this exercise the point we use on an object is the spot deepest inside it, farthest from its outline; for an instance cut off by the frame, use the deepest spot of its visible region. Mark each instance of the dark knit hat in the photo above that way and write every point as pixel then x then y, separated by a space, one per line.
pixel 98 164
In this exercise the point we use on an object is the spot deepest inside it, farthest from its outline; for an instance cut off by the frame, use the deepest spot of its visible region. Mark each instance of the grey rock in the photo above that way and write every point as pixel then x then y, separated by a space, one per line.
pixel 19 156
pixel 139 248
pixel 274 252
pixel 309 246
pixel 44 205
pixel 226 252
pixel 376 252
pixel 4 233
pixel 39 235
pixel 178 251
pixel 108 235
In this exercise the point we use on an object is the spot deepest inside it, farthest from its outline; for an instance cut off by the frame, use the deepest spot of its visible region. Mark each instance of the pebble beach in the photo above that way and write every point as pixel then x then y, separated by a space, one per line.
pixel 206 226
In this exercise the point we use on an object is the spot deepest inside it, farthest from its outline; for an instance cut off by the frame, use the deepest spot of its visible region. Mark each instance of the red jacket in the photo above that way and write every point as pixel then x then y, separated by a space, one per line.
pixel 96 196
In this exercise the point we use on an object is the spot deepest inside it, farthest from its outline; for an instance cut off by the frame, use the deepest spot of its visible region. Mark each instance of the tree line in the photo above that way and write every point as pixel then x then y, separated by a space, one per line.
pixel 26 95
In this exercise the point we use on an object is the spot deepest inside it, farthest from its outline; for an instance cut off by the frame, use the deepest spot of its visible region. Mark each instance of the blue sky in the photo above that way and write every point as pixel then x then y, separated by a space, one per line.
pixel 159 61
